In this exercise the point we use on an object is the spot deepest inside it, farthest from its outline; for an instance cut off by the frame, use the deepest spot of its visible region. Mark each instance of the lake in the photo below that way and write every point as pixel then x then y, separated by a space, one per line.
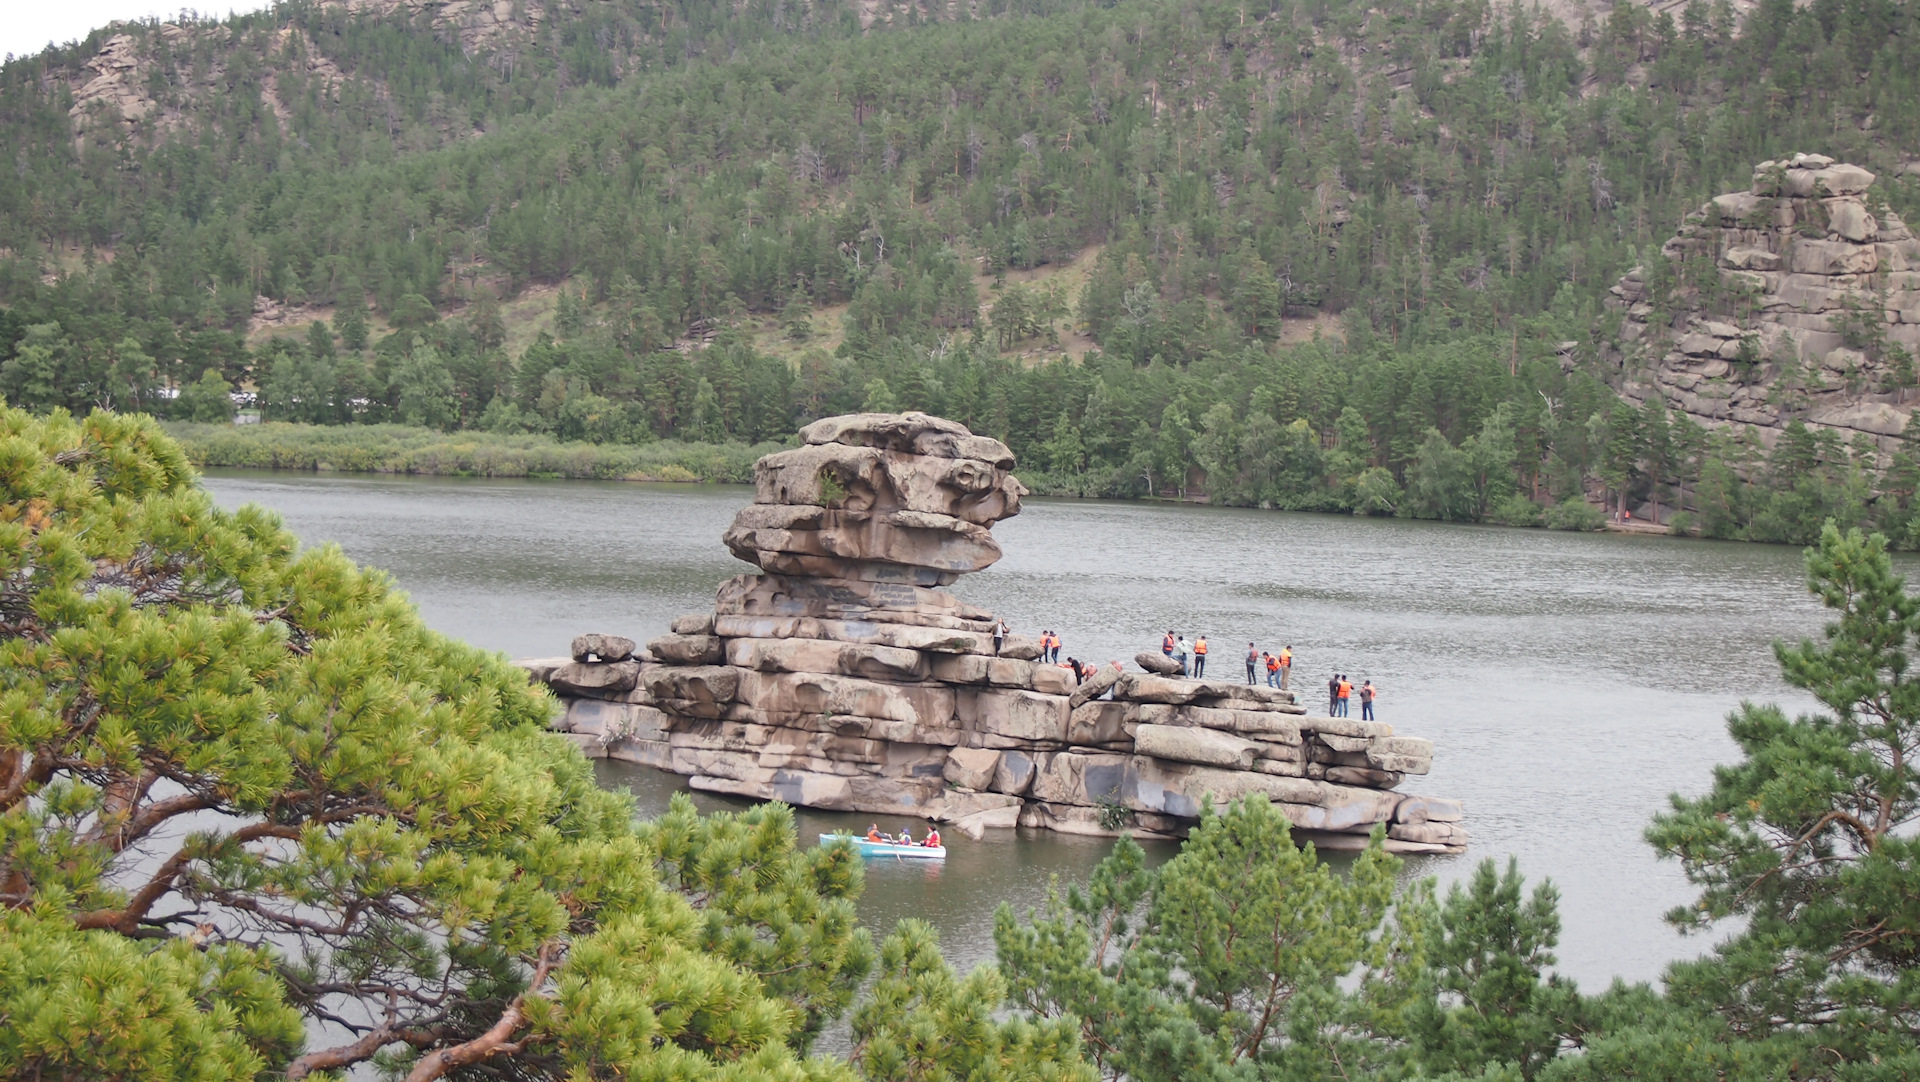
pixel 1569 681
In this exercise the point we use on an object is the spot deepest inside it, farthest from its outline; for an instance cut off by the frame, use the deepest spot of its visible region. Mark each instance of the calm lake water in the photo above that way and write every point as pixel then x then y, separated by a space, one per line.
pixel 1570 682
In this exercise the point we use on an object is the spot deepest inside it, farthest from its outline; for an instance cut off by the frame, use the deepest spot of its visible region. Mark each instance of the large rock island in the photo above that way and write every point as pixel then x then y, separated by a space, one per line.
pixel 842 677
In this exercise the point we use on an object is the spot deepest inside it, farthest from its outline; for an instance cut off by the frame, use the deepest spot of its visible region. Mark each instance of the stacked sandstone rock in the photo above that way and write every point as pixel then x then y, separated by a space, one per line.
pixel 842 677
pixel 1817 274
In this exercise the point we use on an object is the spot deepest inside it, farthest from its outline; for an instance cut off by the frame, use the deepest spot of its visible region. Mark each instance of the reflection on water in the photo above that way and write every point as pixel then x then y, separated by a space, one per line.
pixel 1570 681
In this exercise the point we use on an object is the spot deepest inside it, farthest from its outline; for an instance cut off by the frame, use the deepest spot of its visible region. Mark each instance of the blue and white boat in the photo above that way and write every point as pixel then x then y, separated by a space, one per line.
pixel 886 849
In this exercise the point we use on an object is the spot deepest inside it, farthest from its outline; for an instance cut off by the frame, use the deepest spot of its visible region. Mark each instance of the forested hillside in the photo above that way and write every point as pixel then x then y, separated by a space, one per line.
pixel 830 199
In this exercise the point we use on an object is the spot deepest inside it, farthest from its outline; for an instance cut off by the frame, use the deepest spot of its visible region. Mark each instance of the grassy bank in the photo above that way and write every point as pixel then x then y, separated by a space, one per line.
pixel 405 449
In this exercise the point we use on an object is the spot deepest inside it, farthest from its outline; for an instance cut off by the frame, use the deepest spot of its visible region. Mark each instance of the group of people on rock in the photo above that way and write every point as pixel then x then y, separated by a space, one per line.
pixel 1175 647
pixel 931 841
pixel 1277 667
pixel 1340 691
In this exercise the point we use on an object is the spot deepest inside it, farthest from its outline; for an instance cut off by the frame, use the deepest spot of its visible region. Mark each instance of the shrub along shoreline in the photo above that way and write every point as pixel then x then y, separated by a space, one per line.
pixel 406 449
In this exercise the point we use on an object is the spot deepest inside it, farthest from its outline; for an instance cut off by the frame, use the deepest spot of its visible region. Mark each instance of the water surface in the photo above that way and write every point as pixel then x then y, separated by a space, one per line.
pixel 1570 681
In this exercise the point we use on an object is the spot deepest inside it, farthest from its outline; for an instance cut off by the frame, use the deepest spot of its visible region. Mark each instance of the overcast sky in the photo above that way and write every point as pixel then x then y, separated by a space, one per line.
pixel 27 25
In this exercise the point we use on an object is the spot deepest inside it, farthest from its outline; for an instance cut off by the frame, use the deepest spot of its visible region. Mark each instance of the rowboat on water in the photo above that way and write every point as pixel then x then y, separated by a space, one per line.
pixel 887 849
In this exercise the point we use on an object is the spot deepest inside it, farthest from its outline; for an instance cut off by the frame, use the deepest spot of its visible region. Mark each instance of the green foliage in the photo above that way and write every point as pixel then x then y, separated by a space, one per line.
pixel 922 1023
pixel 400 449
pixel 1491 999
pixel 244 791
pixel 1574 513
pixel 1808 841
pixel 1226 958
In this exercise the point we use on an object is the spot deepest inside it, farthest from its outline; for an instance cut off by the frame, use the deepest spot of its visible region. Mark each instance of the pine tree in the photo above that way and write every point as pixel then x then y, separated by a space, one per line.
pixel 1809 841
pixel 245 791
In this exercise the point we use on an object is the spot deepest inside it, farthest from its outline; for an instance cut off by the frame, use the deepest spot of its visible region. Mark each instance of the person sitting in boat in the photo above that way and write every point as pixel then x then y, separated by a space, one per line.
pixel 906 836
pixel 933 838
pixel 873 833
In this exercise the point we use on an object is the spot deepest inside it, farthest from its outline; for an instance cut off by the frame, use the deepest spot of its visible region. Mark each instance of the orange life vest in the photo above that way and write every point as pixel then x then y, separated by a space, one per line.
pixel 1200 647
pixel 1273 663
pixel 1346 689
pixel 1286 657
pixel 1167 644
pixel 933 840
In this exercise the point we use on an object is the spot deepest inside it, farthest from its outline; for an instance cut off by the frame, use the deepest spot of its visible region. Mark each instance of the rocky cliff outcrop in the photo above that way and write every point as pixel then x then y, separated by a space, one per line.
pixel 843 677
pixel 1798 298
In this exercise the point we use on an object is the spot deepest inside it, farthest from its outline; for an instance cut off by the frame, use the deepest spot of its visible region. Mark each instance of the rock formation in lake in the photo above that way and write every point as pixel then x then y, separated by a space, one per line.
pixel 842 677
pixel 1798 298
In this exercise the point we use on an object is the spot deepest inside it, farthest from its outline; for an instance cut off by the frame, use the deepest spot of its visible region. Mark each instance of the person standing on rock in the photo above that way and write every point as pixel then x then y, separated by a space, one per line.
pixel 1273 669
pixel 1286 665
pixel 1253 661
pixel 1166 644
pixel 999 635
pixel 1368 693
pixel 1180 655
pixel 1200 658
pixel 1346 694
pixel 1333 696
pixel 1054 638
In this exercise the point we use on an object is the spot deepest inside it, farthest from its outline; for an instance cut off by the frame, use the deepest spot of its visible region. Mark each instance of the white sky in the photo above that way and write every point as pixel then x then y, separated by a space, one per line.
pixel 27 25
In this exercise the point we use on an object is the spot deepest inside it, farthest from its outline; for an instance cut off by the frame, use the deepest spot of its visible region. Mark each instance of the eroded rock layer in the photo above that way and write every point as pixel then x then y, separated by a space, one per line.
pixel 841 676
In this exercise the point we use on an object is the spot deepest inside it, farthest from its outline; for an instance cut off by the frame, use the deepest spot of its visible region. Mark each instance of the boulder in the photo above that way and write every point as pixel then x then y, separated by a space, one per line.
pixel 1013 773
pixel 1143 688
pixel 803 540
pixel 1359 775
pixel 1428 809
pixel 1831 257
pixel 870 479
pixel 693 623
pixel 700 683
pixel 1190 745
pixel 1848 218
pixel 916 433
pixel 864 660
pixel 598 647
pixel 834 598
pixel 905 636
pixel 971 768
pixel 1432 832
pixel 1843 179
pixel 824 694
pixel 1020 648
pixel 654 753
pixel 595 679
pixel 1158 664
pixel 1022 715
pixel 1092 687
pixel 1400 754
pixel 1097 723
pixel 686 649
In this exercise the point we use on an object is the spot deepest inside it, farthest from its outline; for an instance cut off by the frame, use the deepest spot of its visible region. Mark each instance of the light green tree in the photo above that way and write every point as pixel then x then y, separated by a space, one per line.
pixel 255 817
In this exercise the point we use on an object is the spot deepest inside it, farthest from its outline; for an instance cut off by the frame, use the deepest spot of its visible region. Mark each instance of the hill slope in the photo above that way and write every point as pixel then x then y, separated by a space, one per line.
pixel 1456 184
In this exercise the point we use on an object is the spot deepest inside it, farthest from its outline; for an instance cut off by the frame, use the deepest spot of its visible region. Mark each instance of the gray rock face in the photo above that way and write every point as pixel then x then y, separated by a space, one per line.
pixel 597 647
pixel 1802 252
pixel 842 677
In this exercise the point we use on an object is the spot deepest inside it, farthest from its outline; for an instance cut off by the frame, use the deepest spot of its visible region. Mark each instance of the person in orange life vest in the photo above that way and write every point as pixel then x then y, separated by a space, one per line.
pixel 933 838
pixel 1200 658
pixel 1286 665
pixel 1253 662
pixel 873 833
pixel 1368 693
pixel 1346 693
pixel 1273 670
pixel 1054 638
pixel 1046 646
pixel 1166 644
